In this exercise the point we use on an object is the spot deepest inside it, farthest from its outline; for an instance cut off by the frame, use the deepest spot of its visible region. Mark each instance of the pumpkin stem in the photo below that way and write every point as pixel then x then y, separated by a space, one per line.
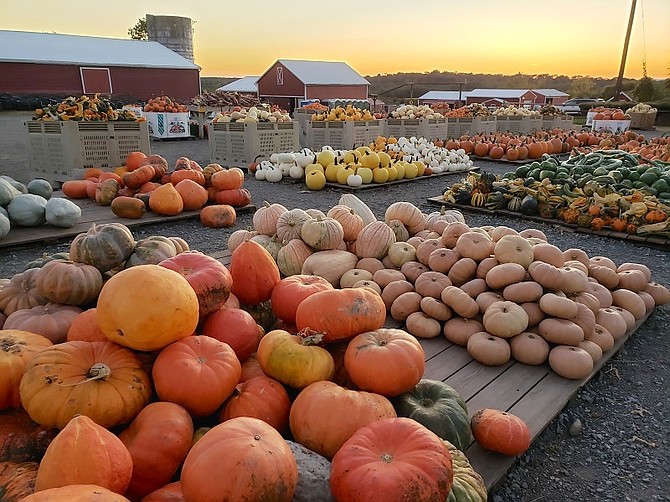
pixel 99 371
pixel 387 458
pixel 310 337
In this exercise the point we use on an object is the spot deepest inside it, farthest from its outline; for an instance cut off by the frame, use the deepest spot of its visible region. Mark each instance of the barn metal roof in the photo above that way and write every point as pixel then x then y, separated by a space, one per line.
pixel 550 92
pixel 497 93
pixel 56 48
pixel 244 84
pixel 323 72
pixel 445 95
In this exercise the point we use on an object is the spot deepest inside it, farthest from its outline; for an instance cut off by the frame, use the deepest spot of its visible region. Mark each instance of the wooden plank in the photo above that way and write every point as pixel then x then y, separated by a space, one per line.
pixel 92 213
pixel 433 346
pixel 474 376
pixel 446 363
pixel 537 408
pixel 370 186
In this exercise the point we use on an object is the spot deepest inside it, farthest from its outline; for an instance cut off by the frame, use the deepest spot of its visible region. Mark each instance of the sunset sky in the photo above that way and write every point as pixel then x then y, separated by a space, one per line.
pixel 244 37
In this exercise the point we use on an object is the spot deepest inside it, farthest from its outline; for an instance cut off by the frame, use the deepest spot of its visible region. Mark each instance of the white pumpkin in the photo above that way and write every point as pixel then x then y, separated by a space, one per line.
pixel 354 180
pixel 296 172
pixel 5 226
pixel 273 175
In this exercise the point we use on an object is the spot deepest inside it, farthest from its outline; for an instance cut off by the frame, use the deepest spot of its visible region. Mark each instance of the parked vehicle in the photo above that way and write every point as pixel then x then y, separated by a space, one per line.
pixel 573 106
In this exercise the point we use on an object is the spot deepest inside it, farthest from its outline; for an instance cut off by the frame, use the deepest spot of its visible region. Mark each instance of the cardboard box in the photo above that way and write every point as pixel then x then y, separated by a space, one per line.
pixel 616 126
pixel 168 125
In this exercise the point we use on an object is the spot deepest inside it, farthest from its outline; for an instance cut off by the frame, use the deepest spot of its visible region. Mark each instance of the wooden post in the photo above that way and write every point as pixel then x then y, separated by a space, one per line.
pixel 619 80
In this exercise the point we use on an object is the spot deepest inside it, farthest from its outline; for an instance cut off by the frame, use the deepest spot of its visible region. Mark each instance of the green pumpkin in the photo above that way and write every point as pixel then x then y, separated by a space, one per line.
pixel 496 200
pixel 514 204
pixel 41 187
pixel 5 226
pixel 468 485
pixel 27 210
pixel 16 184
pixel 151 251
pixel 437 406
pixel 46 258
pixel 62 212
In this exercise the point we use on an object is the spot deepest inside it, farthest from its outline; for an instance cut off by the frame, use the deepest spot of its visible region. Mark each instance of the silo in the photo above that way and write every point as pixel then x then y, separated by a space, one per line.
pixel 174 32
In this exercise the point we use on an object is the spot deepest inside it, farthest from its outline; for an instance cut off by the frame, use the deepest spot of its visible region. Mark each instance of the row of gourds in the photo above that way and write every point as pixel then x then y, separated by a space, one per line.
pixel 105 377
pixel 145 183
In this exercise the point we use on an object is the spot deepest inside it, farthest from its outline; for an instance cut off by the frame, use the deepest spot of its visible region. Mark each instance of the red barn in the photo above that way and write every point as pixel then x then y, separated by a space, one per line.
pixel 56 64
pixel 288 81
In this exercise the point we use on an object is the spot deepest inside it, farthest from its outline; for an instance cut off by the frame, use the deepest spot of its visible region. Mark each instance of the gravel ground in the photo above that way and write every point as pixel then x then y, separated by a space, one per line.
pixel 611 442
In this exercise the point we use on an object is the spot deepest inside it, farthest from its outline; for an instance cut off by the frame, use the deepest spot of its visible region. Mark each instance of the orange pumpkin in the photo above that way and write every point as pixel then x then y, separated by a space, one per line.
pixel 254 273
pixel 325 415
pixel 180 175
pixel 16 349
pixel 158 440
pixel 98 379
pixel 500 431
pixel 76 493
pixel 228 179
pixel 192 194
pixel 218 216
pixel 168 493
pixel 209 372
pixel 392 459
pixel 166 200
pixel 257 462
pixel 236 327
pixel 386 361
pixel 260 397
pixel 128 207
pixel 341 314
pixel 85 453
pixel 147 307
pixel 291 291
pixel 138 177
pixel 77 189
pixel 85 327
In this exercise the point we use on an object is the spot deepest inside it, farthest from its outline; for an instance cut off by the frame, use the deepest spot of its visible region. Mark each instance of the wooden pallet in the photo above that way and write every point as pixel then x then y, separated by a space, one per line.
pixel 371 186
pixel 560 157
pixel 653 241
pixel 91 213
pixel 534 393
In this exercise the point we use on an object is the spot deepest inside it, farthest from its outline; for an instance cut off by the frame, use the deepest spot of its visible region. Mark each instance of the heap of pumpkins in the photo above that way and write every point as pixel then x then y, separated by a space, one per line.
pixel 498 292
pixel 31 205
pixel 145 380
pixel 145 183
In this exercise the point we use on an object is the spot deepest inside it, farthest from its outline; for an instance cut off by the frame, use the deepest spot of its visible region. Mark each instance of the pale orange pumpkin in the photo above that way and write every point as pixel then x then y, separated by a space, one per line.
pixel 166 200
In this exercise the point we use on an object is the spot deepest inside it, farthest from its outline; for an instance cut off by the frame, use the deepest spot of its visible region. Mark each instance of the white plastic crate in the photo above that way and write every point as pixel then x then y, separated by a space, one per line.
pixel 58 151
pixel 343 135
pixel 303 117
pixel 239 143
pixel 431 129
pixel 483 125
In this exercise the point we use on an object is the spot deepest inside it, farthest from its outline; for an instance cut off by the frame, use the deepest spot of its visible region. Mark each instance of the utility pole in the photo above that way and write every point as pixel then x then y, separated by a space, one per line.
pixel 619 80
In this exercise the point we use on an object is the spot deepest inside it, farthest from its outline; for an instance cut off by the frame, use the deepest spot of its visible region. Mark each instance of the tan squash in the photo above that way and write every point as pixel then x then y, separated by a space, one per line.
pixel 431 284
pixel 549 277
pixel 602 261
pixel 484 266
pixel 486 299
pixel 505 274
pixel 574 280
pixel 410 215
pixel 648 300
pixel 442 259
pixel 265 218
pixel 514 249
pixel 659 293
pixel 587 299
pixel 501 231
pixel 459 301
pixel 400 253
pixel 522 292
pixel 351 222
pixel 331 265
pixel 605 276
pixel 292 256
pixel 529 348
pixel 475 245
pixel 386 276
pixel 489 349
pixel 475 287
pixel 412 270
pixel 535 314
pixel 570 362
pixel 322 233
pixel 612 321
pixel 561 331
pixel 462 271
pixel 374 240
pixel 372 265
pixel 627 316
pixel 603 294
pixel 421 325
pixel 505 319
pixel 576 254
pixel 548 253
pixel 533 233
pixel 632 280
pixel 354 275
pixel 393 290
pixel 289 224
pixel 368 284
pixel 459 329
pixel 585 319
pixel 425 249
pixel 401 232
pixel 558 306
pixel 630 301
pixel 452 232
pixel 435 308
pixel 601 337
pixel 593 349
pixel 404 305
pixel 635 266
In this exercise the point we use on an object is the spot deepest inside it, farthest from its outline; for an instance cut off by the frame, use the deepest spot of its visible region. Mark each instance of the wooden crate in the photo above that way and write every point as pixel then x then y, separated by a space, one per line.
pixel 644 121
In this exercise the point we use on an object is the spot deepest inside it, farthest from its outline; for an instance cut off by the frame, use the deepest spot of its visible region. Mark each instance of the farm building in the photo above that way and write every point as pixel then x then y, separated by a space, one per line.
pixel 245 85
pixel 57 64
pixel 288 81
pixel 533 98
pixel 448 97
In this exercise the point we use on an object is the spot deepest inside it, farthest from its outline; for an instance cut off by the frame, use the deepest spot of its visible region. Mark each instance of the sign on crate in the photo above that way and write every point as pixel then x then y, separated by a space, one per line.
pixel 167 125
